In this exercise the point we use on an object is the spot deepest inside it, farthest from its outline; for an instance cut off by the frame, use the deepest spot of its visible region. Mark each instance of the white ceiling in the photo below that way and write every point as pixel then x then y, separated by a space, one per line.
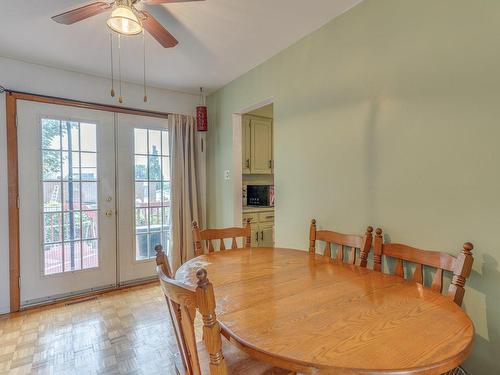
pixel 218 39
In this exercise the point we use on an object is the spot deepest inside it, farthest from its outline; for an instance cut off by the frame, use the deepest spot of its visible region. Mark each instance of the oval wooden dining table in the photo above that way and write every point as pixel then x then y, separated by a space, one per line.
pixel 313 315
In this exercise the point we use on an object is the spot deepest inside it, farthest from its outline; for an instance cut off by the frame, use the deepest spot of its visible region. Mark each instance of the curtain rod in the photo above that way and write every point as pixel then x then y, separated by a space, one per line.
pixel 20 95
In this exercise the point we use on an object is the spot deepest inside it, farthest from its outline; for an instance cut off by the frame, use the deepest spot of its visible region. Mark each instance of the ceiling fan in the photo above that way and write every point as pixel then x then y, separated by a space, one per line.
pixel 125 18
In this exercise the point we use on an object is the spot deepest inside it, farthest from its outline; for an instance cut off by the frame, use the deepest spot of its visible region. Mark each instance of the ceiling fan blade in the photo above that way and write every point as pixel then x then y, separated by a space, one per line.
pixel 158 32
pixel 78 14
pixel 153 2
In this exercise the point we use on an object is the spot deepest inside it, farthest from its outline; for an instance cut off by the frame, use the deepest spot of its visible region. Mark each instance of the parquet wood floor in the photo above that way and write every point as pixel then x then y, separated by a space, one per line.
pixel 123 332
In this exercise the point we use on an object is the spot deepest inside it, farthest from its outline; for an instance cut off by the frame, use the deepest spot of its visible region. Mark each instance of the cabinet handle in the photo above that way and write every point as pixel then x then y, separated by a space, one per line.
pixel 269 217
pixel 257 236
pixel 270 163
pixel 262 236
pixel 248 163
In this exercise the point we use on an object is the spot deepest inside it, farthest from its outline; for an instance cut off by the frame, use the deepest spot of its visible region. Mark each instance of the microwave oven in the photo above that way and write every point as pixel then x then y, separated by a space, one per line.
pixel 260 195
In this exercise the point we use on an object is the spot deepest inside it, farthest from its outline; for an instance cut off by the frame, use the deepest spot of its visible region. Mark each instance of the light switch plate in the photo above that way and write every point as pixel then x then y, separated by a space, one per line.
pixel 227 175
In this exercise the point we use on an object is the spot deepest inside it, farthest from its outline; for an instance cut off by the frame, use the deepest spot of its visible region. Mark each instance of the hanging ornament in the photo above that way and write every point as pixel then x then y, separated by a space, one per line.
pixel 201 114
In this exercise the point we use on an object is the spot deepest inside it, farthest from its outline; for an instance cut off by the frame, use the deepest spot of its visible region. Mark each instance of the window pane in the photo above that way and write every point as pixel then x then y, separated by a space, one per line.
pixel 155 194
pixel 155 217
pixel 141 167
pixel 141 194
pixel 51 165
pixel 141 246
pixel 90 255
pixel 166 193
pixel 51 134
pixel 166 218
pixel 154 168
pixel 71 194
pixel 70 140
pixel 89 195
pixel 53 258
pixel 72 226
pixel 164 143
pixel 154 142
pixel 72 256
pixel 165 169
pixel 141 220
pixel 165 238
pixel 89 224
pixel 52 196
pixel 154 239
pixel 52 227
pixel 89 166
pixel 140 141
pixel 88 137
pixel 71 165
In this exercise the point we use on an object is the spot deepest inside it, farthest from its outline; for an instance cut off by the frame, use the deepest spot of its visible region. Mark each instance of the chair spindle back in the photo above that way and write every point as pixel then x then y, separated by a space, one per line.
pixel 206 237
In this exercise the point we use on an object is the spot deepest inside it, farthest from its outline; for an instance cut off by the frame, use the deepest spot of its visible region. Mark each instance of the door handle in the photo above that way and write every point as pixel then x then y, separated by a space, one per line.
pixel 109 213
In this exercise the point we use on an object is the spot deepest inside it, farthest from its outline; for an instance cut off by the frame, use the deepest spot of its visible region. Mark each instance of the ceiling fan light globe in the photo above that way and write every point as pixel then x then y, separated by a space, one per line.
pixel 124 21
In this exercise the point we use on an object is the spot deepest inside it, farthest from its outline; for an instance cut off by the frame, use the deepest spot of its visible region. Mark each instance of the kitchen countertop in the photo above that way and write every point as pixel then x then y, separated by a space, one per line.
pixel 250 209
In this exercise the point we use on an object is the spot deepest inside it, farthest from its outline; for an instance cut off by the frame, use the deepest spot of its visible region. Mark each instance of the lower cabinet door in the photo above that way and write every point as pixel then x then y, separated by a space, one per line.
pixel 255 235
pixel 266 235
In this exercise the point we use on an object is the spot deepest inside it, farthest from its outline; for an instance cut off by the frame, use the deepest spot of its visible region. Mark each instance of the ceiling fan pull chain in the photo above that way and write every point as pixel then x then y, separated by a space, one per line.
pixel 144 65
pixel 112 66
pixel 120 98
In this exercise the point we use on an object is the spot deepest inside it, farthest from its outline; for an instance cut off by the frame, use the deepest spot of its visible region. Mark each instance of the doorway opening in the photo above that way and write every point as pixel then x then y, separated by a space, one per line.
pixel 253 166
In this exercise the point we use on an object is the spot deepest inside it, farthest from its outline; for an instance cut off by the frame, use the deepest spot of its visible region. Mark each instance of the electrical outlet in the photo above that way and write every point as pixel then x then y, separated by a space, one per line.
pixel 227 176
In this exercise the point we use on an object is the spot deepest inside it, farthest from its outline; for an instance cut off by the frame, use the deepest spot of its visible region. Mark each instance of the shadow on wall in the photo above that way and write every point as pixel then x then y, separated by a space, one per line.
pixel 488 284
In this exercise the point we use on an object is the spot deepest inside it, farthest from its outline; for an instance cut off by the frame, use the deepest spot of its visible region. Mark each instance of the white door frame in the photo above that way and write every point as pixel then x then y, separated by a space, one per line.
pixel 237 150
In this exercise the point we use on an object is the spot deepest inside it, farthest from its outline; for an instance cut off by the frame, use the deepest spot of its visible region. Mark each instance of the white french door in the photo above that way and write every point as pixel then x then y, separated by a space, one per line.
pixel 94 193
pixel 143 161
pixel 67 200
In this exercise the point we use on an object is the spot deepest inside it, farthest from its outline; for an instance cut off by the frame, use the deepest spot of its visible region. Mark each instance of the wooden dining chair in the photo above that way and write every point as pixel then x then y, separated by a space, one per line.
pixel 353 242
pixel 202 237
pixel 460 266
pixel 217 356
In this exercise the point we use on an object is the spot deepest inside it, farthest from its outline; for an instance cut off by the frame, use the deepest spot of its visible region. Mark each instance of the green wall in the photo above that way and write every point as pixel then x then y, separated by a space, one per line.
pixel 390 116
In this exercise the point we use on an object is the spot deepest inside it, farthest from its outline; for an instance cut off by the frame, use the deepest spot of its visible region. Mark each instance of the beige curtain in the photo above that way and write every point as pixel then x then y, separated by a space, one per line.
pixel 184 204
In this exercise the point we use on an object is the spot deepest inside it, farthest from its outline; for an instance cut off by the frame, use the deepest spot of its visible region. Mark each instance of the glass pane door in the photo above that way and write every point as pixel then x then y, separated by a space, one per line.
pixel 66 191
pixel 143 161
pixel 152 191
pixel 70 200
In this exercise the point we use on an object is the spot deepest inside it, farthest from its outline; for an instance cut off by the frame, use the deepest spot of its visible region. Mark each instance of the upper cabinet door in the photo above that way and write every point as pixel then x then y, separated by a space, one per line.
pixel 245 146
pixel 261 161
